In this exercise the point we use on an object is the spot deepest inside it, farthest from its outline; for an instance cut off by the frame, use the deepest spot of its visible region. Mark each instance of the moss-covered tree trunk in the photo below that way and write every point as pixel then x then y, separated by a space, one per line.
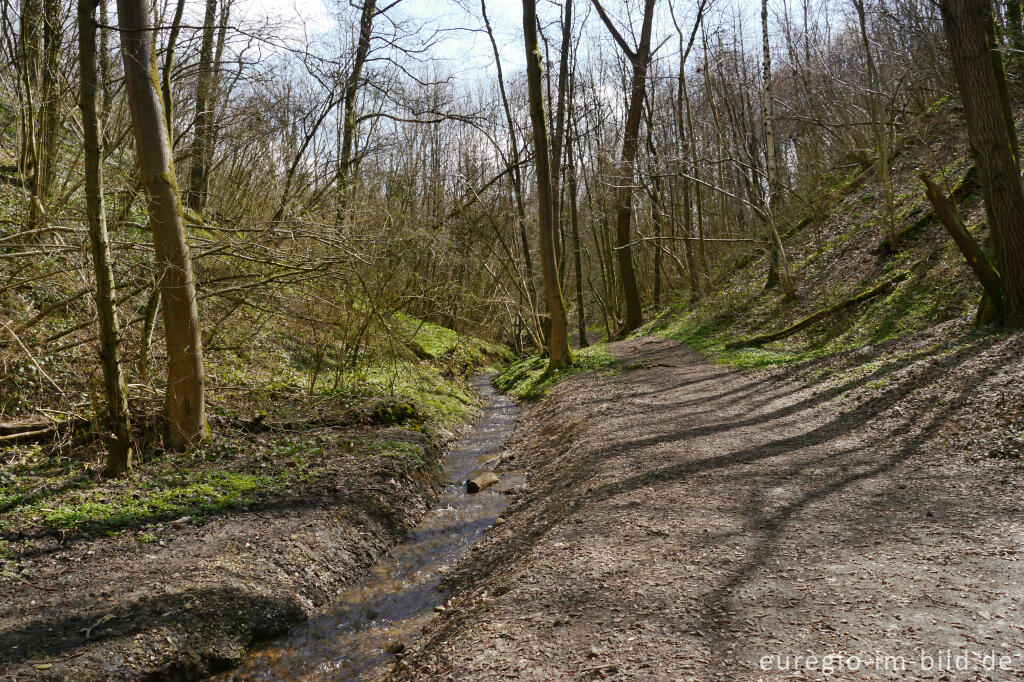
pixel 184 406
pixel 978 66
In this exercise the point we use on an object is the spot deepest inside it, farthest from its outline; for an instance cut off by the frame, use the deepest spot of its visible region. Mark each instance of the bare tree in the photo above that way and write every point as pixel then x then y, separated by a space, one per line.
pixel 779 262
pixel 639 60
pixel 119 452
pixel 185 406
pixel 558 340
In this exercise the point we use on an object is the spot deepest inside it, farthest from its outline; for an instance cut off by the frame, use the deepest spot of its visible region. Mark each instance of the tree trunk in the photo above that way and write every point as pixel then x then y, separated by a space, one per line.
pixel 515 177
pixel 199 171
pixel 31 57
pixel 560 112
pixel 639 60
pixel 978 66
pixel 119 454
pixel 184 406
pixel 779 263
pixel 581 316
pixel 50 119
pixel 352 83
pixel 558 340
pixel 881 127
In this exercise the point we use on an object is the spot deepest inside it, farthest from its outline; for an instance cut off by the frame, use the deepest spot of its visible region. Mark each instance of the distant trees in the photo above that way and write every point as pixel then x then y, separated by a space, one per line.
pixel 978 65
pixel 185 401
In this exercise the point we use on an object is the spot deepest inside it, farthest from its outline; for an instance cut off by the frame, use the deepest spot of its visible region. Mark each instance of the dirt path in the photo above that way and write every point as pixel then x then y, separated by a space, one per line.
pixel 689 522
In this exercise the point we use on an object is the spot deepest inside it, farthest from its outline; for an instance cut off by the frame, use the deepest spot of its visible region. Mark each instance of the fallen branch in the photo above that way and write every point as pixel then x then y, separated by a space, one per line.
pixel 37 431
pixel 820 315
pixel 965 188
pixel 976 258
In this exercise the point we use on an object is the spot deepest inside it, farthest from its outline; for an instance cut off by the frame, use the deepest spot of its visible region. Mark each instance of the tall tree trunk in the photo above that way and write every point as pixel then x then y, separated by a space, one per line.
pixel 198 177
pixel 104 62
pixel 558 340
pixel 581 313
pixel 352 83
pixel 881 127
pixel 119 453
pixel 185 406
pixel 639 59
pixel 779 263
pixel 515 177
pixel 560 112
pixel 31 58
pixel 50 119
pixel 978 66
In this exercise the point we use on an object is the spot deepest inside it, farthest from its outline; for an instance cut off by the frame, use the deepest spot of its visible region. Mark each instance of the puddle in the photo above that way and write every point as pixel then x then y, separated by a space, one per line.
pixel 398 597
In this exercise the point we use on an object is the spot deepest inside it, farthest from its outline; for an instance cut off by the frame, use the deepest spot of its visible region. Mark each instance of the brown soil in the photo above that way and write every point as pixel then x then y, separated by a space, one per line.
pixel 683 521
pixel 191 598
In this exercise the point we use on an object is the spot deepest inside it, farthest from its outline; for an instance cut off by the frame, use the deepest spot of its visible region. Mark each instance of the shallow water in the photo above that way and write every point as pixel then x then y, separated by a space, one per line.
pixel 393 603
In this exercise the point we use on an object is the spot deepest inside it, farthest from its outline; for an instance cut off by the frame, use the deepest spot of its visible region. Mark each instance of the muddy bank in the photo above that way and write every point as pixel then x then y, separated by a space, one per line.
pixel 178 599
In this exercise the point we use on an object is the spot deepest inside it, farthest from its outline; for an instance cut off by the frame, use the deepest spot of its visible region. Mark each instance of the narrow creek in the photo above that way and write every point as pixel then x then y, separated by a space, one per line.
pixel 393 603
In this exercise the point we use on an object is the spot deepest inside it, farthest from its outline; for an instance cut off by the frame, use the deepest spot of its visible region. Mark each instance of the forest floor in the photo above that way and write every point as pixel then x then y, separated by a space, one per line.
pixel 863 512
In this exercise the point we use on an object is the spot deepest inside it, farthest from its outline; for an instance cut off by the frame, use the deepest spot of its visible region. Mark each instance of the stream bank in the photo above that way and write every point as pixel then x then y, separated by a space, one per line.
pixel 183 598
pixel 375 619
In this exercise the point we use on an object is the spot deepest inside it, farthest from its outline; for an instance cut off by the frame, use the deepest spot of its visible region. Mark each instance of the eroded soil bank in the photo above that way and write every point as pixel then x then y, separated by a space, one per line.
pixel 685 521
pixel 177 599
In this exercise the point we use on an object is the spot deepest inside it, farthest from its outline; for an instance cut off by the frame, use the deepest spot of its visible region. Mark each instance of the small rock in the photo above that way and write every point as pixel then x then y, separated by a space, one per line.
pixel 396 648
pixel 439 608
pixel 595 652
pixel 182 521
pixel 498 521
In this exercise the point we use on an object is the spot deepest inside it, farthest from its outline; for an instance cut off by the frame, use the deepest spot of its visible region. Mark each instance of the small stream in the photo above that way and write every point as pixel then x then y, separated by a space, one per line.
pixel 398 597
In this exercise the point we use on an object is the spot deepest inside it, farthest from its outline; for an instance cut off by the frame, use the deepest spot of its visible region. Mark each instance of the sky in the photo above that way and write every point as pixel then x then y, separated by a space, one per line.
pixel 465 49
pixel 467 53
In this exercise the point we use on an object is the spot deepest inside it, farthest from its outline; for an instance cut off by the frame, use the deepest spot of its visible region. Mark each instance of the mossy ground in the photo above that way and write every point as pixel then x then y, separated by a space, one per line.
pixel 529 378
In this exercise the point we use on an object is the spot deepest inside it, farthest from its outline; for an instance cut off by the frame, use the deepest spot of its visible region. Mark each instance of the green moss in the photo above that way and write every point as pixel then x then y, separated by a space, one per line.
pixel 529 378
pixel 108 508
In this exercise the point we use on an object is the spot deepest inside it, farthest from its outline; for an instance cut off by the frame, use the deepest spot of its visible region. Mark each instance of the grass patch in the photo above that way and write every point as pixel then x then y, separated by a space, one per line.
pixel 528 379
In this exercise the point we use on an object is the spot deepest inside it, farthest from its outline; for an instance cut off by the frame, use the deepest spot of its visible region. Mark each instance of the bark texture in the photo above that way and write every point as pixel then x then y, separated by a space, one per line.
pixel 978 66
pixel 184 405
pixel 119 453
pixel 558 340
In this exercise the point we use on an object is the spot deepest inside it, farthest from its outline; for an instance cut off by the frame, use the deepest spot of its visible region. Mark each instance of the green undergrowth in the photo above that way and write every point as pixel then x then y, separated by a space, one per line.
pixel 371 417
pixel 41 495
pixel 529 378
